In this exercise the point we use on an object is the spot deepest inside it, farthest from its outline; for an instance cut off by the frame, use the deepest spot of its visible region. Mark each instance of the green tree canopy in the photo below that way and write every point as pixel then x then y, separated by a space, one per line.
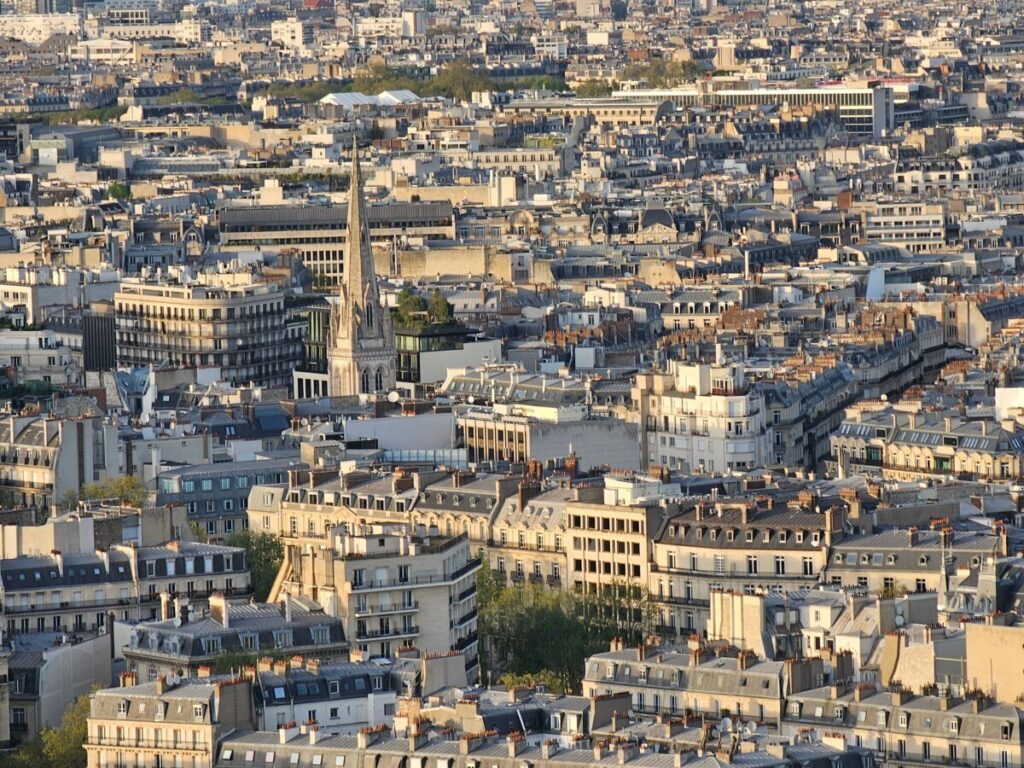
pixel 664 73
pixel 118 190
pixel 62 746
pixel 439 310
pixel 264 554
pixel 126 489
pixel 593 89
pixel 534 633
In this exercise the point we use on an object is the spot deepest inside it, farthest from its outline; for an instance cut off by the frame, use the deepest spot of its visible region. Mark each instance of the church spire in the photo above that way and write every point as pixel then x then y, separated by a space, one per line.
pixel 359 255
pixel 361 357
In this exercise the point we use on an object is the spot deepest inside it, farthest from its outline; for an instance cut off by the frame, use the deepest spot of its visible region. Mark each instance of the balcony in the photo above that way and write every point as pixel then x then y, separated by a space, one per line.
pixel 461 622
pixel 554 581
pixel 689 602
pixel 465 642
pixel 64 605
pixel 382 610
pixel 175 744
pixel 525 546
pixel 422 580
pixel 386 634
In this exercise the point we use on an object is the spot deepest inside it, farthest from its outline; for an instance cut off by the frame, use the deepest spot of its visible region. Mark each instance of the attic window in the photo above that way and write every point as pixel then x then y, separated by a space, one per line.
pixel 922 560
pixel 783 536
pixel 750 535
pixel 730 535
pixel 865 559
pixel 838 558
pixel 890 560
pixel 799 537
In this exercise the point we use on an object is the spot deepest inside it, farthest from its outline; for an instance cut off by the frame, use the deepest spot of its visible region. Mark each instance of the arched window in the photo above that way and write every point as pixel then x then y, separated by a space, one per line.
pixel 365 380
pixel 380 379
pixel 369 314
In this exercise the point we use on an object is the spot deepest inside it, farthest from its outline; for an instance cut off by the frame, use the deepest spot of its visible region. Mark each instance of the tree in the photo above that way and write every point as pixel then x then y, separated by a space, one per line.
pixel 664 73
pixel 118 190
pixel 545 677
pixel 593 89
pixel 458 80
pixel 127 490
pixel 409 309
pixel 545 635
pixel 264 554
pixel 62 746
pixel 439 310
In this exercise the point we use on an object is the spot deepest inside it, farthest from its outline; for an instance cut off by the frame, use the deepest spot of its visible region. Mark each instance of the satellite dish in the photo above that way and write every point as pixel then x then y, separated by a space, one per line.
pixel 884 398
pixel 393 396
pixel 470 399
pixel 899 620
pixel 725 726
pixel 751 727
pixel 177 621
pixel 304 422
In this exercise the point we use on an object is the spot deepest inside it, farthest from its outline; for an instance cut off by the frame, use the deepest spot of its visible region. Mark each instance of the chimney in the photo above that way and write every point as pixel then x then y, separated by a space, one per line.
pixel 1004 541
pixel 161 685
pixel 598 752
pixel 626 752
pixel 548 749
pixel 745 514
pixel 314 735
pixel 165 606
pixel 515 743
pixel 220 610
pixel 913 536
pixel 181 609
pixel 204 671
pixel 946 537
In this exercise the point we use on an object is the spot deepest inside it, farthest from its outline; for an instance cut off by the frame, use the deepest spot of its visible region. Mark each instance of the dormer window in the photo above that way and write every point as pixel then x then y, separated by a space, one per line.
pixel 799 537
pixel 750 535
pixel 730 535
pixel 783 536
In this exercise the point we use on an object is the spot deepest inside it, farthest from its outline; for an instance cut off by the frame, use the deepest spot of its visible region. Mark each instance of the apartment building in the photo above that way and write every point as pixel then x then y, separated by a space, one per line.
pixel 903 729
pixel 866 111
pixel 985 165
pixel 340 697
pixel 38 357
pixel 188 638
pixel 902 445
pixel 667 682
pixel 57 577
pixel 528 539
pixel 47 672
pixel 166 722
pixel 518 432
pixel 216 496
pixel 741 547
pixel 78 592
pixel 230 320
pixel 42 458
pixel 318 232
pixel 701 418
pixel 917 226
pixel 392 587
pixel 292 34
pixel 912 560
pixel 609 531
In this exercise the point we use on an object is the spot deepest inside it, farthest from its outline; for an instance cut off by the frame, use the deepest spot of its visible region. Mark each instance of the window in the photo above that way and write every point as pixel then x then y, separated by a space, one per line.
pixel 751 563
